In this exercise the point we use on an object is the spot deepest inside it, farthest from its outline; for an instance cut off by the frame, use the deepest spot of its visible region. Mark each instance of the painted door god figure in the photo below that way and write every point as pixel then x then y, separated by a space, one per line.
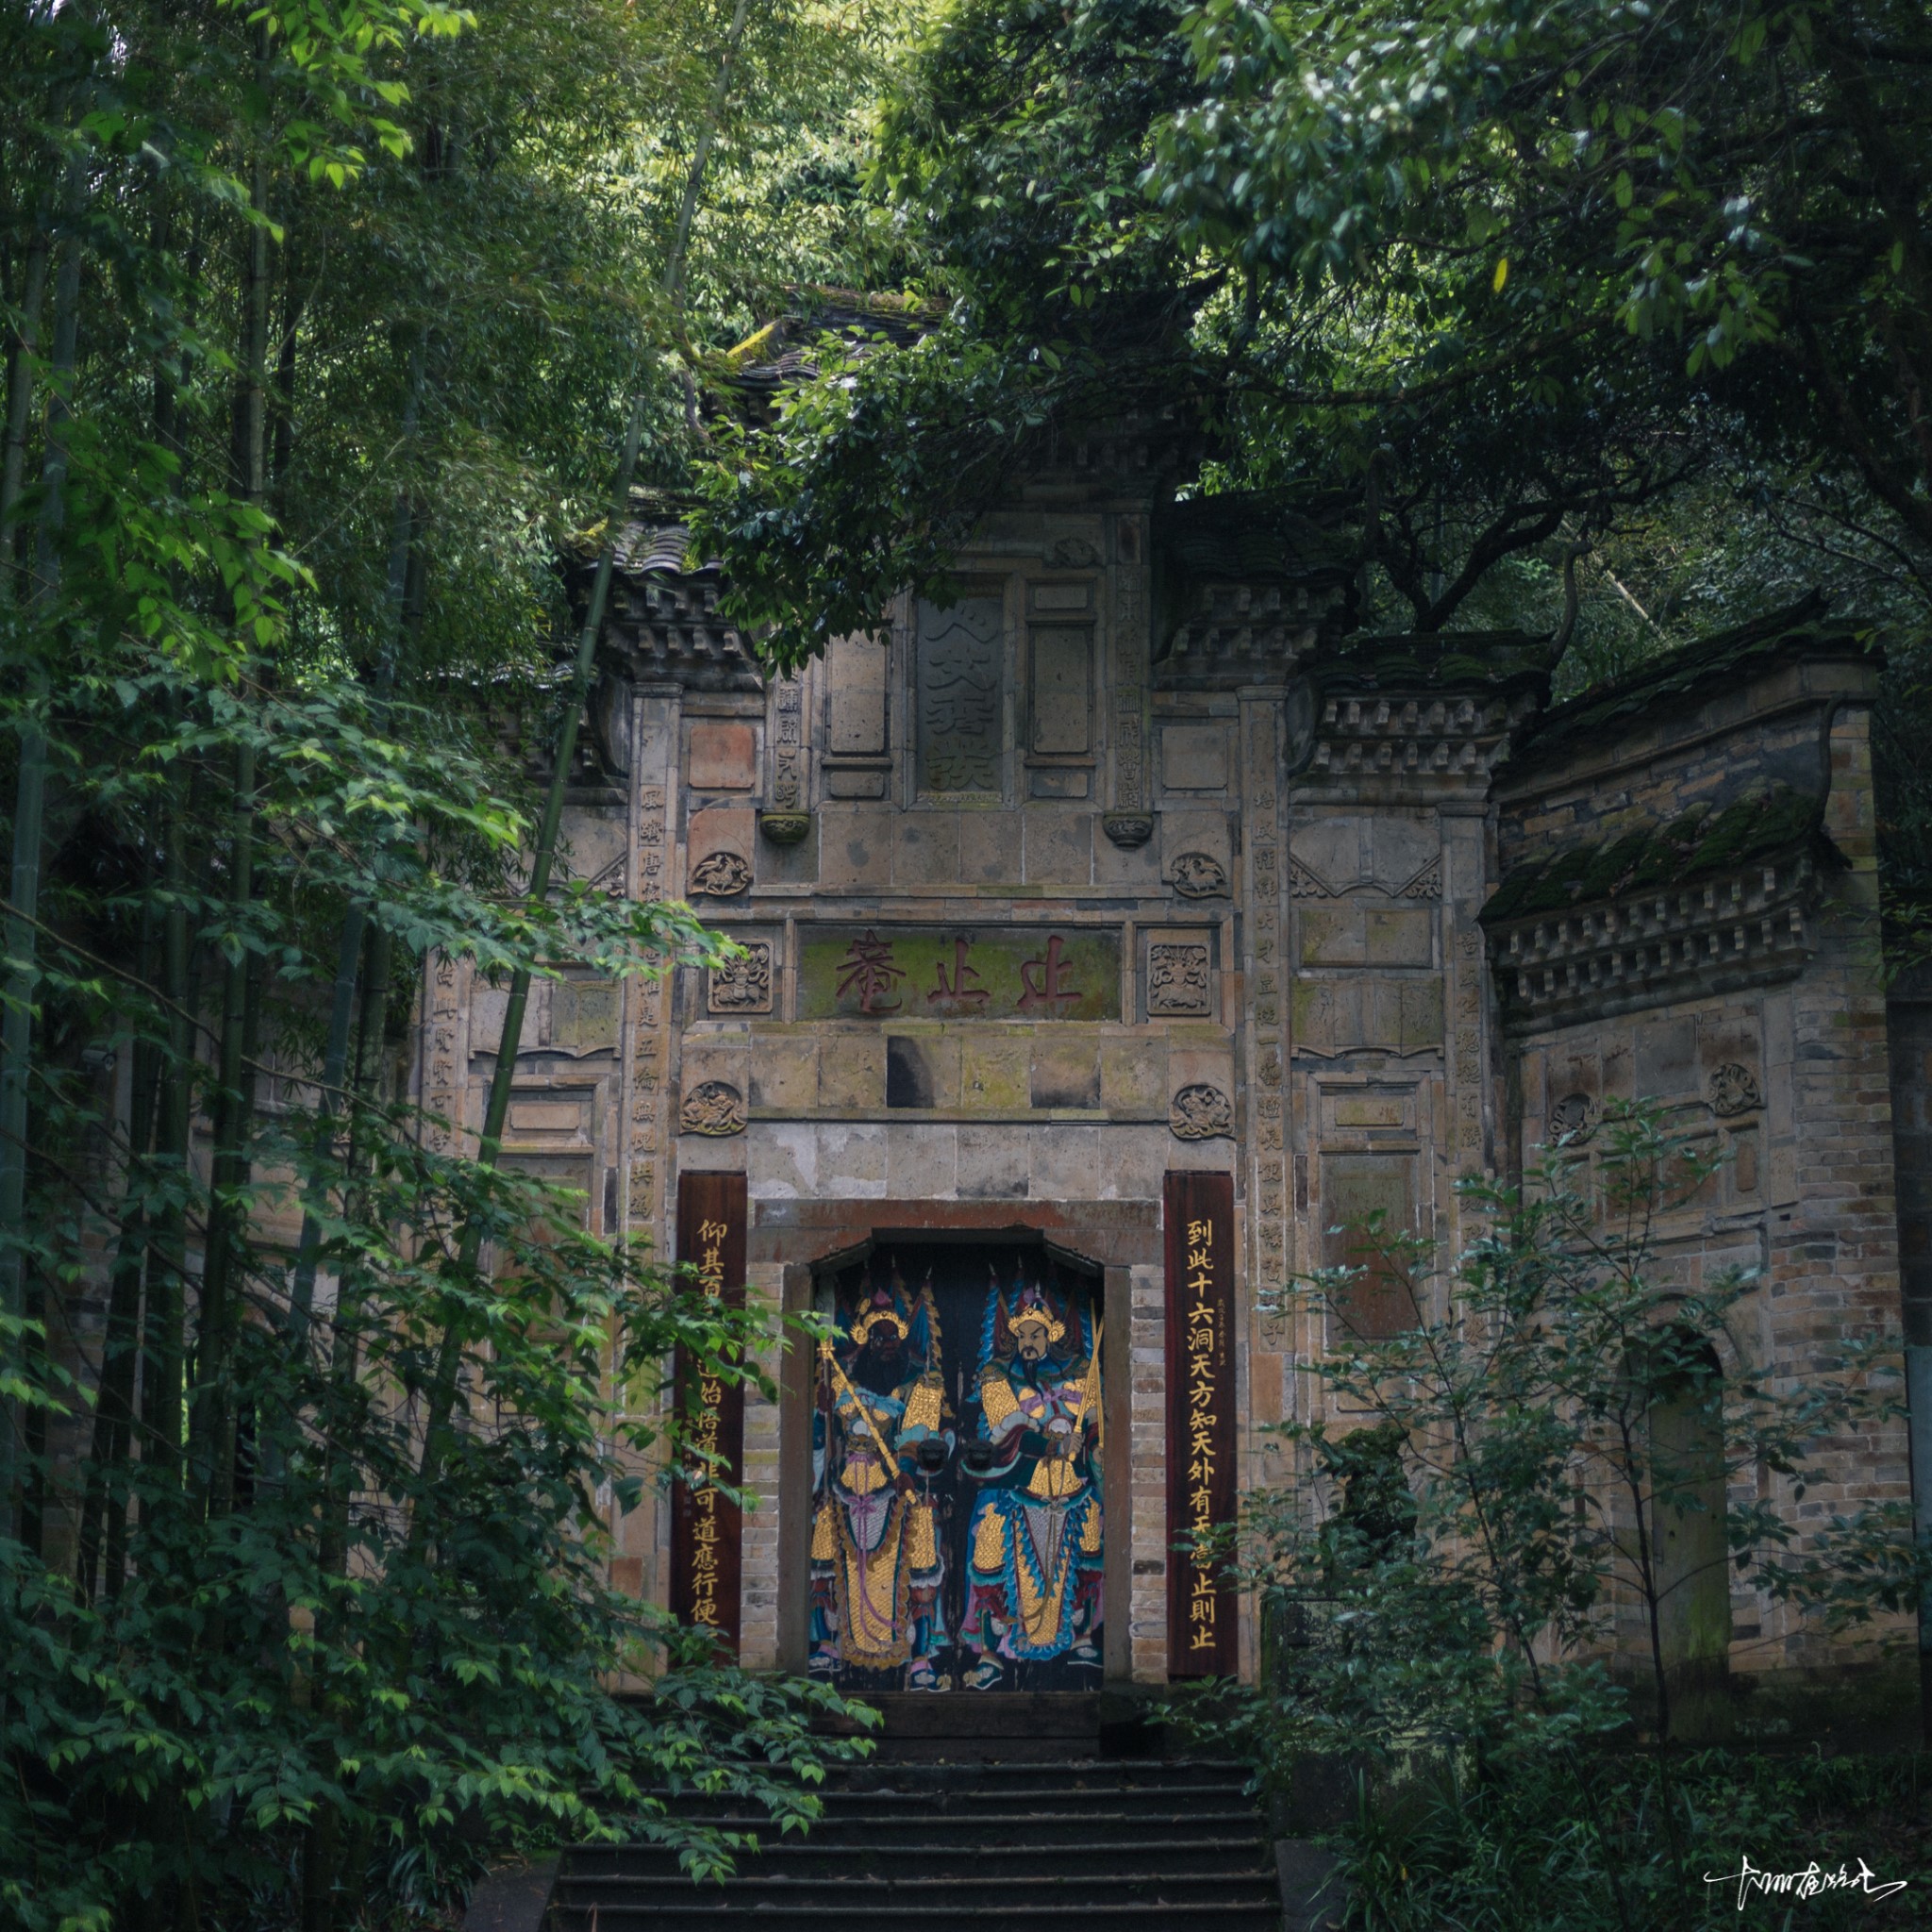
pixel 1034 1563
pixel 879 1438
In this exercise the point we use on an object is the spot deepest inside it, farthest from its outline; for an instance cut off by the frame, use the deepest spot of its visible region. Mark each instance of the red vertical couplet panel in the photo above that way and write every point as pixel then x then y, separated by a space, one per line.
pixel 707 1528
pixel 1202 1635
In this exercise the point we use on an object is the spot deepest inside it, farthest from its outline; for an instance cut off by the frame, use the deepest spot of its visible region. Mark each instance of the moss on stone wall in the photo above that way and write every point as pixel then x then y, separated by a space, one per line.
pixel 1696 845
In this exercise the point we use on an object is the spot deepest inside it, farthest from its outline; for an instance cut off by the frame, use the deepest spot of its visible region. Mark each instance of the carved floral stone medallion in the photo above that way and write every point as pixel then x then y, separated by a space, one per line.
pixel 1199 876
pixel 1574 1118
pixel 720 875
pixel 716 1108
pixel 1200 1113
pixel 743 985
pixel 1734 1090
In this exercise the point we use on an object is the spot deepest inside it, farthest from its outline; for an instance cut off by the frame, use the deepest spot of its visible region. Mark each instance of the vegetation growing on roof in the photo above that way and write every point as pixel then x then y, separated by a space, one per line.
pixel 1696 845
pixel 1803 626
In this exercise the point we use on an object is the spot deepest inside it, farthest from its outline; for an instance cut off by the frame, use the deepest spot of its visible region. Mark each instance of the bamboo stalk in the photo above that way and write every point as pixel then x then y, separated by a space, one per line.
pixel 443 1387
pixel 21 928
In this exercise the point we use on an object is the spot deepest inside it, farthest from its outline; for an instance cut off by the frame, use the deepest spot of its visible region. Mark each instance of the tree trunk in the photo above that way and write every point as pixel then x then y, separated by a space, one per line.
pixel 160 1376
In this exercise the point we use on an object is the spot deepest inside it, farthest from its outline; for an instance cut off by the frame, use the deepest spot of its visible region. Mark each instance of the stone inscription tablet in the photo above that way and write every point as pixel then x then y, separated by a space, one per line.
pixel 962 727
pixel 958 972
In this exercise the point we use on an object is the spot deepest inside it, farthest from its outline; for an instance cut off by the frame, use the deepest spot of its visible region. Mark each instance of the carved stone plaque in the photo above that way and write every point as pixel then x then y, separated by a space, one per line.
pixel 743 985
pixel 961 710
pixel 958 972
pixel 1179 979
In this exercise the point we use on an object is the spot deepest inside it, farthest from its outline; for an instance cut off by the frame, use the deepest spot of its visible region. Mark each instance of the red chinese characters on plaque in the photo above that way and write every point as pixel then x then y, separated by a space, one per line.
pixel 707 1527
pixel 1203 1638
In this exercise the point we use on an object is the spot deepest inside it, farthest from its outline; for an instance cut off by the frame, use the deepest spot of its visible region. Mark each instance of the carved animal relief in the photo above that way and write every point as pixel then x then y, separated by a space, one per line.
pixel 1199 876
pixel 721 875
pixel 715 1108
pixel 1734 1090
pixel 1201 1113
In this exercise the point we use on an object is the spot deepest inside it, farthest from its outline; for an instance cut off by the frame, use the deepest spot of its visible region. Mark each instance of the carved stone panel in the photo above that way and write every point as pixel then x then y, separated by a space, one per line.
pixel 960 713
pixel 1336 1016
pixel 715 1108
pixel 1199 876
pixel 1734 1090
pixel 1201 1113
pixel 720 875
pixel 583 1015
pixel 1180 979
pixel 1062 691
pixel 856 715
pixel 743 985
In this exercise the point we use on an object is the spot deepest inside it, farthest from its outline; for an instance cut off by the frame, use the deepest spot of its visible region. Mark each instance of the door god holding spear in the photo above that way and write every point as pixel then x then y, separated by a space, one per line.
pixel 876 1564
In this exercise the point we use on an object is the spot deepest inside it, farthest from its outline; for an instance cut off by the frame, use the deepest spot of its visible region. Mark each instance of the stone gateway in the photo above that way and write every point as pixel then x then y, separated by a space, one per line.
pixel 1114 934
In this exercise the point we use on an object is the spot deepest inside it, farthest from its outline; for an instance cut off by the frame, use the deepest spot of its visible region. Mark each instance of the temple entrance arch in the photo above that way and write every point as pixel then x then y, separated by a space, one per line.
pixel 958 1493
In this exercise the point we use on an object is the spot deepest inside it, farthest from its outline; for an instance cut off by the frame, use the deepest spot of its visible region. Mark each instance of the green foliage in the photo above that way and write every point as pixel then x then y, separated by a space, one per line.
pixel 359 1655
pixel 362 1661
pixel 1543 1480
pixel 1610 317
pixel 1514 1851
pixel 321 325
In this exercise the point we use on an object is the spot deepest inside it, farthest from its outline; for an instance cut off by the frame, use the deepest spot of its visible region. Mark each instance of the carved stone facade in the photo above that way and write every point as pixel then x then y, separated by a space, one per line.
pixel 1063 888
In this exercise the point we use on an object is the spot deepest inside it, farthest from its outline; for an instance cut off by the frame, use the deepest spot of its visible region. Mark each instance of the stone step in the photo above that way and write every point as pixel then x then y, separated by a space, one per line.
pixel 1233 1856
pixel 992 1885
pixel 1008 1914
pixel 1137 1773
pixel 1067 1845
pixel 1064 1825
pixel 985 1714
pixel 961 1798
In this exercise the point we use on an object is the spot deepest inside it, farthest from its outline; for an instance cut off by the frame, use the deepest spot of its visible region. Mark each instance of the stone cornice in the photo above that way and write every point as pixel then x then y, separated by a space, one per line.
pixel 1748 926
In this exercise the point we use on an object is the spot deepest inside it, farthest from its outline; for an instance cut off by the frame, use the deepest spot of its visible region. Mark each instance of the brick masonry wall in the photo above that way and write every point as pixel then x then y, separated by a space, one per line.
pixel 1807 1197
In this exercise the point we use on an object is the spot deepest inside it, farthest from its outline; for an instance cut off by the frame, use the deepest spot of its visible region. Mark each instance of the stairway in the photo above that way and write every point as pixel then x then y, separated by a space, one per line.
pixel 966 1845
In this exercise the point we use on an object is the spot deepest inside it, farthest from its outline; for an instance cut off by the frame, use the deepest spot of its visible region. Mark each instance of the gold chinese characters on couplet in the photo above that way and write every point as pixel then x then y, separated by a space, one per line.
pixel 706 1529
pixel 1203 1637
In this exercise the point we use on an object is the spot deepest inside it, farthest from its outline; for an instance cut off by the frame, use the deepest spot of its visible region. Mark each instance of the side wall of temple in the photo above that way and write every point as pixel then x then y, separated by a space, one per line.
pixel 1733 976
